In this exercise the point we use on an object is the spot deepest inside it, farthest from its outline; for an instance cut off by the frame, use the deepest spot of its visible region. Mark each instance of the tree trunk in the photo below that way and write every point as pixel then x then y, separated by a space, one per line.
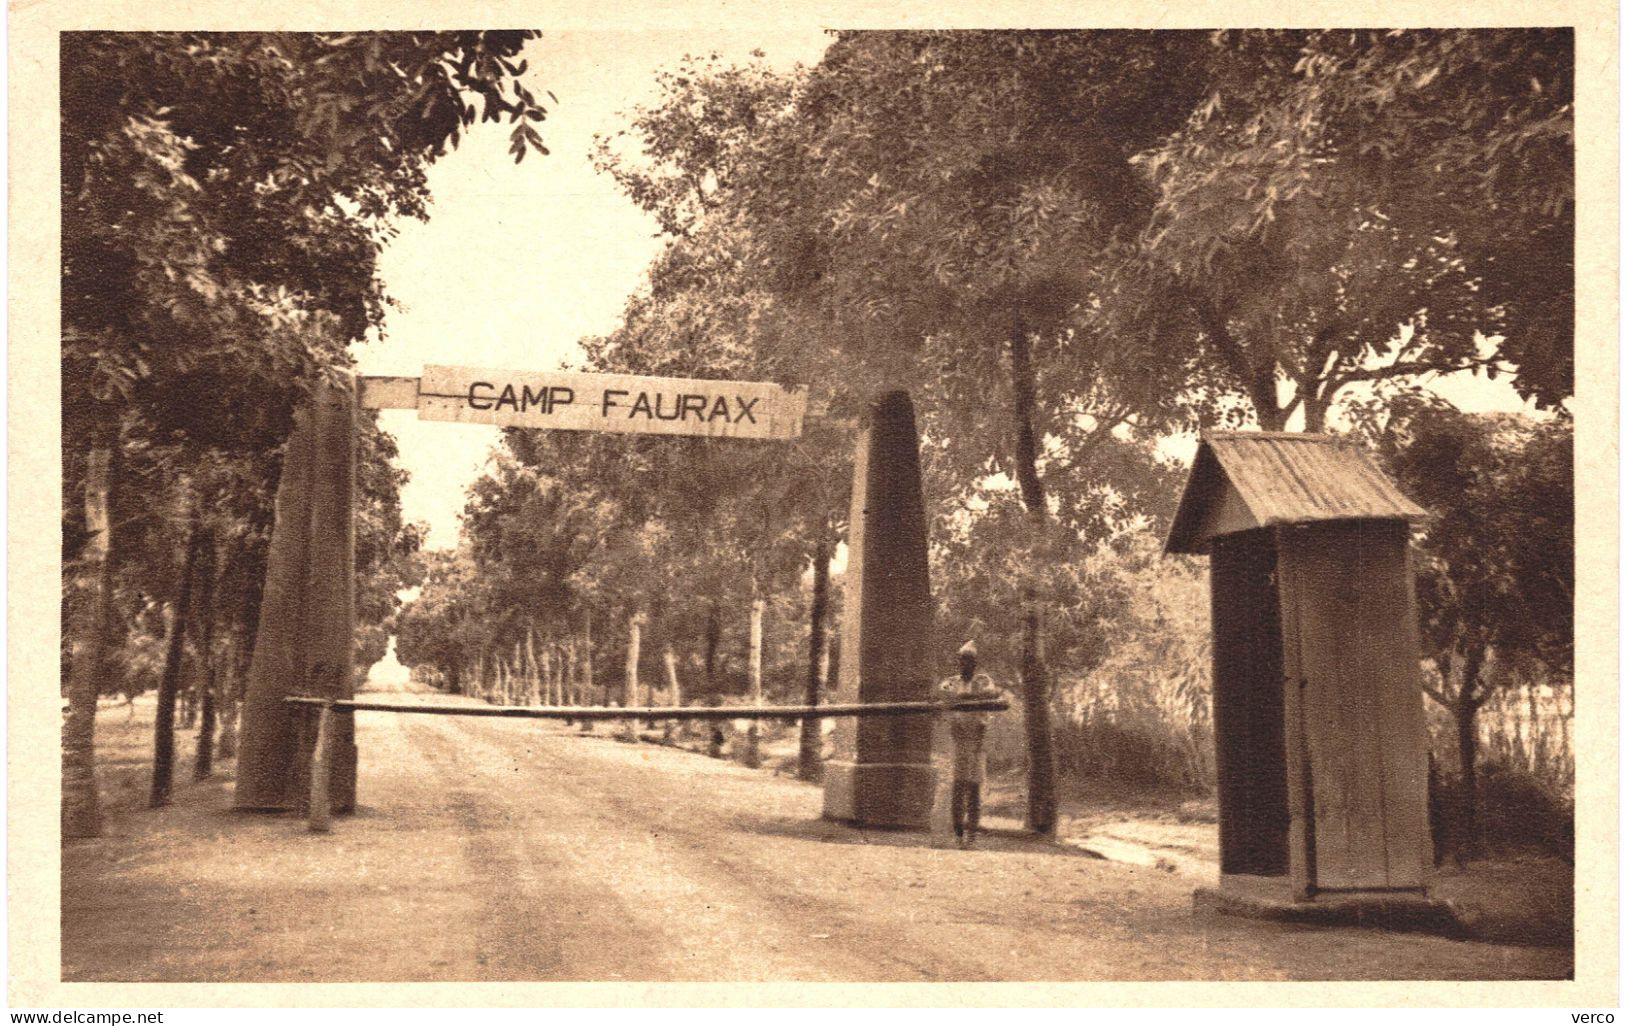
pixel 81 805
pixel 547 692
pixel 1041 809
pixel 1266 397
pixel 674 687
pixel 226 747
pixel 1270 418
pixel 634 652
pixel 203 761
pixel 713 640
pixel 581 672
pixel 163 729
pixel 207 679
pixel 1466 710
pixel 586 659
pixel 810 757
pixel 1257 376
pixel 533 678
pixel 1315 409
pixel 634 647
pixel 753 735
pixel 1034 675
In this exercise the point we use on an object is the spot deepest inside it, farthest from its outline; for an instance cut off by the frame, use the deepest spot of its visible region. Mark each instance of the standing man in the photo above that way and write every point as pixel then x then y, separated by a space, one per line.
pixel 968 733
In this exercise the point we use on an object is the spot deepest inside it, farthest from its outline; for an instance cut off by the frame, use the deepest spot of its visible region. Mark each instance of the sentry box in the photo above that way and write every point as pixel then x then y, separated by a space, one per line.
pixel 1317 697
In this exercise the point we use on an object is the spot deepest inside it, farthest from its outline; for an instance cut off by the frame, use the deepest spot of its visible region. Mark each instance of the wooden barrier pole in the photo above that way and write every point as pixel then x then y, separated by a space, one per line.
pixel 327 738
pixel 321 770
pixel 970 703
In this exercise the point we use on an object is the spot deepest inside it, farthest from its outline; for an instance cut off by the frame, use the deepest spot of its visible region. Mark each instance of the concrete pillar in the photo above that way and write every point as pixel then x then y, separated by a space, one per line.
pixel 306 637
pixel 881 774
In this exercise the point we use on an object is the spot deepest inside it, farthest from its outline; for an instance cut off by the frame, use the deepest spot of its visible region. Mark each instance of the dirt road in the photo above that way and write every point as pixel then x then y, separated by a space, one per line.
pixel 512 850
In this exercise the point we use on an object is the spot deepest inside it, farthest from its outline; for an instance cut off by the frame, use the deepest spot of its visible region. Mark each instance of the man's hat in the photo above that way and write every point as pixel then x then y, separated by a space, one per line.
pixel 968 649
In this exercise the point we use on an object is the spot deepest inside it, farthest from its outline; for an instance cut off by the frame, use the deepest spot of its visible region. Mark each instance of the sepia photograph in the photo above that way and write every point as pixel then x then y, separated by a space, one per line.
pixel 775 502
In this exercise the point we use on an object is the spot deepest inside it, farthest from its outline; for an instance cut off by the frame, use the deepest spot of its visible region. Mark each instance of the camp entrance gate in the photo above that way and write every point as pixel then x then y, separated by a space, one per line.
pixel 881 773
pixel 320 804
pixel 1318 717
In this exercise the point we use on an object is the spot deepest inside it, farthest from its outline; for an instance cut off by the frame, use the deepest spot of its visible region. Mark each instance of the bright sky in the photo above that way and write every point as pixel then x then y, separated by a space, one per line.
pixel 518 262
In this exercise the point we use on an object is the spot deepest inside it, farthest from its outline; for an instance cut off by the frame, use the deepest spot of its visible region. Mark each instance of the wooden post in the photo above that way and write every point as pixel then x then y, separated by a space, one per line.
pixel 321 771
pixel 810 750
pixel 942 814
pixel 306 635
pixel 674 689
pixel 753 734
pixel 586 658
pixel 629 695
pixel 533 686
pixel 1300 799
pixel 589 685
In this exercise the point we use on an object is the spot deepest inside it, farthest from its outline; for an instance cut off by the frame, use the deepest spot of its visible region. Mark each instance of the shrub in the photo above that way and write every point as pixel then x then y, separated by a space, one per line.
pixel 1517 812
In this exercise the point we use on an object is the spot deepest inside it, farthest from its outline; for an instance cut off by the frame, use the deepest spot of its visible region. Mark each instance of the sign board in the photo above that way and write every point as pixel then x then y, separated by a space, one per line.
pixel 573 401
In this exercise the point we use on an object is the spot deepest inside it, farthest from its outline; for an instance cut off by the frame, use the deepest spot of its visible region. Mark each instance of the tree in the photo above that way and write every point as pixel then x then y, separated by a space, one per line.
pixel 1495 567
pixel 1348 207
pixel 224 198
pixel 197 542
pixel 677 160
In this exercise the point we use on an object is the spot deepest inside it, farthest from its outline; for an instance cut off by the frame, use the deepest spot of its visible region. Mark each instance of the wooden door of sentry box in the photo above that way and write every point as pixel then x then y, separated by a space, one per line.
pixel 1248 705
pixel 1350 641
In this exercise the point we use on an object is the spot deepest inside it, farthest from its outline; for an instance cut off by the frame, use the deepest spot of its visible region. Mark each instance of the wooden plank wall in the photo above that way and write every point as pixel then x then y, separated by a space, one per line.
pixel 1353 647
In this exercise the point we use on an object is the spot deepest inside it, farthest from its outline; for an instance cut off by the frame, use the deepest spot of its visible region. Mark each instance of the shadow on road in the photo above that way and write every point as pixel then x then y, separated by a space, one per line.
pixel 828 832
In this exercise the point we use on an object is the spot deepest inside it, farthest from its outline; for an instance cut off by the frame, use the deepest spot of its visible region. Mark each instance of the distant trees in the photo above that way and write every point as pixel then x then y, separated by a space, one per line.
pixel 576 543
pixel 440 627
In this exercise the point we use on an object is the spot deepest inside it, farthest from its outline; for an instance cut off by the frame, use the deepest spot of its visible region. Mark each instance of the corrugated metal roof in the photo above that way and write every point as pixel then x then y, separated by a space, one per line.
pixel 1285 478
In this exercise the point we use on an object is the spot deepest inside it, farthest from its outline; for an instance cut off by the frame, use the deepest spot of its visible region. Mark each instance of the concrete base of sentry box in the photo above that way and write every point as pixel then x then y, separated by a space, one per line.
pixel 898 795
pixel 1263 897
